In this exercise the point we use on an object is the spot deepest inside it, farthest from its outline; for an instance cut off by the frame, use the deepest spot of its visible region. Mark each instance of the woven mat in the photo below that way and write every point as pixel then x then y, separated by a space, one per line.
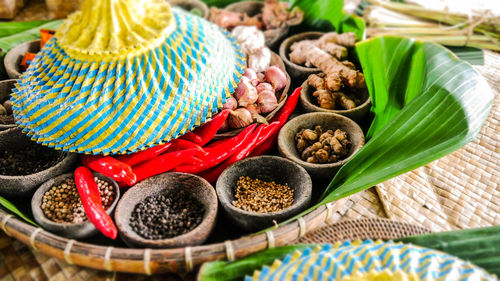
pixel 460 190
pixel 471 172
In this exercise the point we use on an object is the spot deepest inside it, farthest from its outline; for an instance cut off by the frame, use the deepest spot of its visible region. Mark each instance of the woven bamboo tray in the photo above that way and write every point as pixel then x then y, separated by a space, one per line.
pixel 149 261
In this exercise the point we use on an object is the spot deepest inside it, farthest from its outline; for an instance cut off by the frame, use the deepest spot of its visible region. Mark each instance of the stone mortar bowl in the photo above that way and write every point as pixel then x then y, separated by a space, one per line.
pixel 295 70
pixel 188 5
pixel 251 8
pixel 287 146
pixel 14 57
pixel 266 168
pixel 307 100
pixel 18 186
pixel 6 87
pixel 69 230
pixel 197 187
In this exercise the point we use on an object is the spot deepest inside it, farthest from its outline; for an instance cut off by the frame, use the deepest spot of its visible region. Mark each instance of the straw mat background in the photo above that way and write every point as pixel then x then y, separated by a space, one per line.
pixel 460 190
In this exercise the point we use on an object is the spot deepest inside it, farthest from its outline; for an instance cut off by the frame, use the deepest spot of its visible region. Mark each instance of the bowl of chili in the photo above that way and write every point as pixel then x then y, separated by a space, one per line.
pixel 65 219
pixel 167 210
pixel 273 181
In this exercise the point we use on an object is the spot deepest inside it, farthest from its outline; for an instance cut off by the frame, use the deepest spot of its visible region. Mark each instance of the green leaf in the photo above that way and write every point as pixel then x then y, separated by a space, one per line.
pixel 9 42
pixel 471 55
pixel 13 27
pixel 237 270
pixel 427 103
pixel 9 206
pixel 479 246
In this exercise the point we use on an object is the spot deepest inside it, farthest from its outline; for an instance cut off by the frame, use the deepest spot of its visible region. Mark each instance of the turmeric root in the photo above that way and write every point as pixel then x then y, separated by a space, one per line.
pixel 317 81
pixel 343 100
pixel 325 99
pixel 347 39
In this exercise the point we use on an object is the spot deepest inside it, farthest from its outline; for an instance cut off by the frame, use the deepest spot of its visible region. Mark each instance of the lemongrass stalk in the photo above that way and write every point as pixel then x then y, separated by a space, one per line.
pixel 436 15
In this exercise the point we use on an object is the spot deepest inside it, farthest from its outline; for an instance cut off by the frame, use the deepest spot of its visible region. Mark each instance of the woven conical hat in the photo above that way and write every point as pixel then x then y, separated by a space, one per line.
pixel 124 75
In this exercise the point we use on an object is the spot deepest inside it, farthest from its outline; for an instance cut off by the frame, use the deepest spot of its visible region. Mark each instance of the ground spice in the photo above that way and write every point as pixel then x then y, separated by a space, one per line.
pixel 62 204
pixel 166 215
pixel 31 159
pixel 259 196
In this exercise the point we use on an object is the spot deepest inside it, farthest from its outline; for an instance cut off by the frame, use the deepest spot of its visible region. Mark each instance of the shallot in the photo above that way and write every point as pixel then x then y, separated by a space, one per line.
pixel 245 93
pixel 231 103
pixel 239 118
pixel 264 87
pixel 276 77
pixel 267 101
pixel 250 74
pixel 254 111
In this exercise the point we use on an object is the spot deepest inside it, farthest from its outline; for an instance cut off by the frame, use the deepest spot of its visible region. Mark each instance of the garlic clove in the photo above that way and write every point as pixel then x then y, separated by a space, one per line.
pixel 250 74
pixel 276 77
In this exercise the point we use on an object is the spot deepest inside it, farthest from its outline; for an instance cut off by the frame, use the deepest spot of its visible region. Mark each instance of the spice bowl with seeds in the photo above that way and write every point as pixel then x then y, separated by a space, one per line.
pixel 320 142
pixel 259 191
pixel 25 165
pixel 57 207
pixel 167 210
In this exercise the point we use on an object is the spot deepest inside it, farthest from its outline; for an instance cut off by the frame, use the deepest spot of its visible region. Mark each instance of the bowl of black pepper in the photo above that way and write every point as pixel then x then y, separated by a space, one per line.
pixel 260 191
pixel 57 207
pixel 320 142
pixel 168 210
pixel 25 165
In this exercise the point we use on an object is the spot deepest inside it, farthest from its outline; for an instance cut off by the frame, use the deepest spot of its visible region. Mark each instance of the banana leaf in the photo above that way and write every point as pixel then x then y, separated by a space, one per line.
pixel 479 246
pixel 9 42
pixel 14 27
pixel 13 209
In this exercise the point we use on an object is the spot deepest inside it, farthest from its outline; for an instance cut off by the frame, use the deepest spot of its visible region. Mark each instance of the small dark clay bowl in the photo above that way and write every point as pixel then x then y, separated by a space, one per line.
pixel 14 57
pixel 287 146
pixel 22 185
pixel 266 168
pixel 308 102
pixel 251 8
pixel 298 71
pixel 197 187
pixel 69 230
pixel 188 5
pixel 6 87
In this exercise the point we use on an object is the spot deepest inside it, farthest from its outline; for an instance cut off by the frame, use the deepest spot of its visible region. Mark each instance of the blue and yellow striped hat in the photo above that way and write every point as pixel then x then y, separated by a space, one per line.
pixel 124 75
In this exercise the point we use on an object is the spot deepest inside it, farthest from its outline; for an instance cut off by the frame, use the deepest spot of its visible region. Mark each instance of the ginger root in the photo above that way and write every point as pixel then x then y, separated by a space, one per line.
pixel 325 99
pixel 327 92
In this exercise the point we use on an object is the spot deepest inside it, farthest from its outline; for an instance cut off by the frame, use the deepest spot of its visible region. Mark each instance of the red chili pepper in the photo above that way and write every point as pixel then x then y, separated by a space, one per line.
pixel 192 137
pixel 282 116
pixel 110 167
pixel 27 59
pixel 218 152
pixel 141 156
pixel 212 175
pixel 165 163
pixel 45 36
pixel 288 108
pixel 208 130
pixel 92 204
pixel 180 144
